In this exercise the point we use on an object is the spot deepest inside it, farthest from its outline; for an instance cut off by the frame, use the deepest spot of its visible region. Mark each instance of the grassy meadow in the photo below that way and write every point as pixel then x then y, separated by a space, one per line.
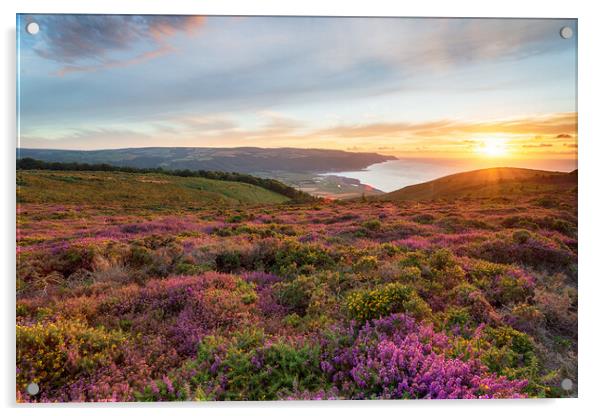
pixel 134 190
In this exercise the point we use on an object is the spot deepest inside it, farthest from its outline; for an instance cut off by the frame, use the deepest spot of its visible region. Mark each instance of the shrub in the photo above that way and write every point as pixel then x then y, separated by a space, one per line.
pixel 562 226
pixel 186 268
pixel 546 202
pixel 228 261
pixel 520 222
pixel 389 249
pixel 524 317
pixel 392 273
pixel 182 308
pixel 558 304
pixel 153 257
pixel 372 225
pixel 467 295
pixel 442 273
pixel 235 218
pixel 441 259
pixel 525 248
pixel 511 353
pixel 413 259
pixel 457 318
pixel 248 366
pixel 295 294
pixel 501 284
pixel 521 236
pixel 52 353
pixel 384 300
pixel 396 358
pixel 366 264
pixel 423 218
pixel 409 274
pixel 293 320
pixel 67 260
pixel 293 257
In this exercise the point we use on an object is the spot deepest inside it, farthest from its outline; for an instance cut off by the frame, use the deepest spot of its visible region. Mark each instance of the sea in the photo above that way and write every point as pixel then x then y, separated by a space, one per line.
pixel 396 174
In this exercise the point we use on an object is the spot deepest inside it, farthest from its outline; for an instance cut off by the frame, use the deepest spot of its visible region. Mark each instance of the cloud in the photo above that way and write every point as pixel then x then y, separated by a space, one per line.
pixel 448 42
pixel 92 42
pixel 93 138
pixel 540 125
pixel 203 124
pixel 549 124
pixel 537 145
pixel 115 63
pixel 385 129
pixel 564 136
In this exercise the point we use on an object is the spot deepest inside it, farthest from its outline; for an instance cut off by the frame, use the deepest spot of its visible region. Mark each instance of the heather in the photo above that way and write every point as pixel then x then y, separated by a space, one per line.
pixel 215 300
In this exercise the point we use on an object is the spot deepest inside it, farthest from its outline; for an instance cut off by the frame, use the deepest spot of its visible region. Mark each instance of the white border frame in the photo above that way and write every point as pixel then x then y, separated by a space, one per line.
pixel 590 212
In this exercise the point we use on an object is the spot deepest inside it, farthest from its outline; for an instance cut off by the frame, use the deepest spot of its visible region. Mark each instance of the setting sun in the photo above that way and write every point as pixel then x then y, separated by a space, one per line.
pixel 493 147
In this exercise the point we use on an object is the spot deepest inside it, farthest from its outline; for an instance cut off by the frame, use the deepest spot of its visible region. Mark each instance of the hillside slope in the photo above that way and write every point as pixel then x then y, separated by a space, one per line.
pixel 136 190
pixel 252 160
pixel 486 183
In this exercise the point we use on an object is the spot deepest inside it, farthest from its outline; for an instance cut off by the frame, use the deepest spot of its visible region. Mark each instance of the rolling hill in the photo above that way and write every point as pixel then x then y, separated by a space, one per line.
pixel 252 160
pixel 136 190
pixel 487 183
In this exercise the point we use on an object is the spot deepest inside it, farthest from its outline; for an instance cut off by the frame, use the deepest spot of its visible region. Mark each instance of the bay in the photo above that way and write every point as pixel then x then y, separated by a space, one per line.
pixel 395 174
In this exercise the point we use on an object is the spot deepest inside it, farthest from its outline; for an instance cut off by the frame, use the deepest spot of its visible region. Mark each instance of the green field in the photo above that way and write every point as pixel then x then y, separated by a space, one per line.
pixel 136 190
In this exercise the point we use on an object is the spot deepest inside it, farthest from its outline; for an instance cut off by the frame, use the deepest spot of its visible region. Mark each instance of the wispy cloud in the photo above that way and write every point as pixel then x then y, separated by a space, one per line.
pixel 534 146
pixel 85 43
pixel 116 63
pixel 90 139
pixel 547 124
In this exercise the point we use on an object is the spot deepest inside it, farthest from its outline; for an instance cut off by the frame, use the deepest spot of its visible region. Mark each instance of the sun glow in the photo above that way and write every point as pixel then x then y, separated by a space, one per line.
pixel 492 147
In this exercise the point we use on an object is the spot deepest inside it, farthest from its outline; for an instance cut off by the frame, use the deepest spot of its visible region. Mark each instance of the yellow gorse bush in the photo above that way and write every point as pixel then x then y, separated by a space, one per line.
pixel 384 300
pixel 48 352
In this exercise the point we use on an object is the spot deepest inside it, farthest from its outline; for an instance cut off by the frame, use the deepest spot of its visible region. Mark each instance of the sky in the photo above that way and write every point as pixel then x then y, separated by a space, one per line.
pixel 408 87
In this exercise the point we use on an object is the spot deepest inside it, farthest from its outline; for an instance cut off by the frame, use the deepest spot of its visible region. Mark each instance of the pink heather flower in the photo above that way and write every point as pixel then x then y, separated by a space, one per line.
pixel 155 388
pixel 168 384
